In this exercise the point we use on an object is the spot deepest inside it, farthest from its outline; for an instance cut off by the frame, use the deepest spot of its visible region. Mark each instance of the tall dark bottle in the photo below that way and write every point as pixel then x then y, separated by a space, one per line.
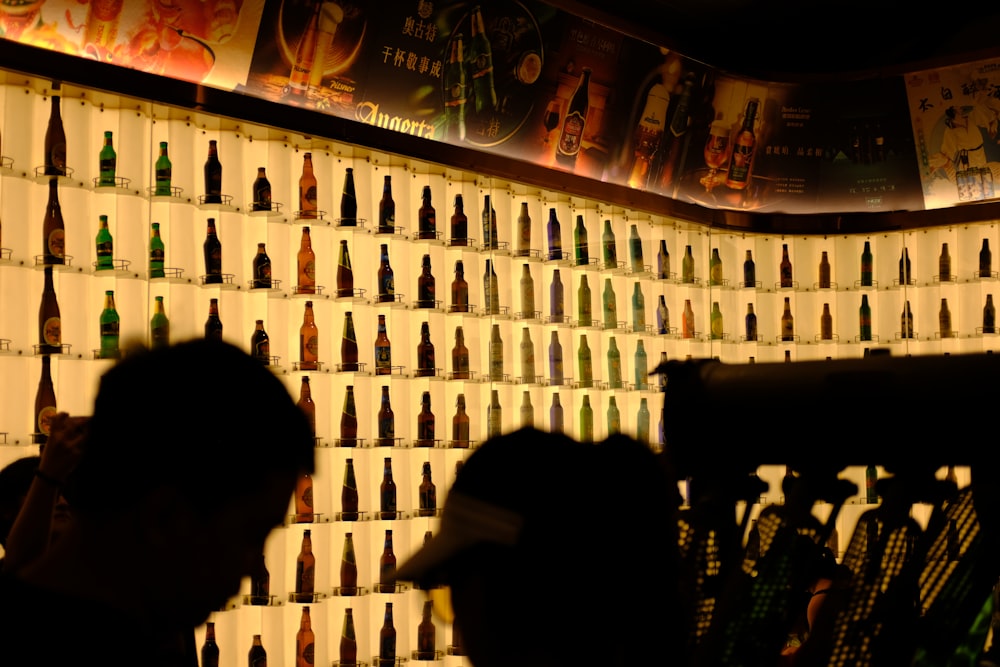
pixel 749 271
pixel 387 566
pixel 261 268
pixel 213 325
pixel 460 424
pixel 53 228
pixel 426 216
pixel 386 280
pixel 387 492
pixel 261 188
pixel 426 633
pixel 905 277
pixel 348 641
pixel 349 345
pixel 383 349
pixel 481 64
pixel 985 260
pixel 105 246
pixel 574 124
pixel 349 492
pixel 425 285
pixel 260 346
pixel 349 565
pixel 425 353
pixel 386 209
pixel 213 254
pixel 744 145
pixel 213 175
pixel 906 321
pixel 386 421
pixel 455 90
pixel 610 254
pixel 349 201
pixel 490 239
pixel 157 252
pixel 349 420
pixel 459 224
pixel 555 236
pixel 523 231
pixel 387 640
pixel 305 570
pixel 49 321
pixel 107 162
pixel 55 138
pixel 110 327
pixel 785 268
pixel 257 656
pixel 581 249
pixel 491 290
pixel 459 290
pixel 460 357
pixel 345 272
pixel 989 316
pixel 867 265
pixel 210 649
pixel 308 196
pixel 426 422
pixel 45 403
pixel 163 173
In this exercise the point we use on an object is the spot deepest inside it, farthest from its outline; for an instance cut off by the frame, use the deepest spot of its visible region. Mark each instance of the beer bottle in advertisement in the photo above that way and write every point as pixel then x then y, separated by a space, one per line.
pixel 159 325
pixel 635 250
pixel 527 357
pixel 491 289
pixel 608 246
pixel 460 357
pixel 386 281
pixel 55 138
pixel 110 326
pixel 308 340
pixel 306 264
pixel 744 145
pixel 105 246
pixel 425 353
pixel 824 271
pixel 425 422
pixel 481 64
pixel 614 364
pixel 304 499
pixel 985 260
pixel 785 268
pixel 557 298
pixel 386 421
pixel 749 271
pixel 427 492
pixel 826 323
pixel 715 268
pixel 345 273
pixel 638 309
pixel 871 479
pixel 580 242
pixel 527 293
pixel 648 134
pixel 906 321
pixel 157 252
pixel 459 290
pixel 496 354
pixel 904 268
pixel 679 112
pixel 716 328
pixel 49 321
pixel 261 189
pixel 386 209
pixel 306 403
pixel 426 634
pixel 455 90
pixel 425 285
pixel 53 228
pixel 305 640
pixel 610 305
pixel 687 266
pixel 555 360
pixel 460 424
pixel 865 315
pixel 387 492
pixel 387 566
pixel 387 640
pixel 210 649
pixel 305 570
pixel 523 231
pixel 45 402
pixel 260 346
pixel 687 320
pixel 213 254
pixel 349 201
pixel 586 420
pixel 349 420
pixel 556 424
pixel 261 268
pixel 163 173
pixel 107 162
pixel 213 175
pixel 867 265
pixel 585 362
pixel 349 491
pixel 944 264
pixel 213 325
pixel 787 323
pixel 349 345
pixel 527 410
pixel 426 216
pixel 494 415
pixel 305 57
pixel 574 124
pixel 614 417
pixel 642 422
pixel 584 305
pixel 750 323
pixel 348 641
pixel 383 349
pixel 944 320
pixel 257 656
pixel 308 196
pixel 663 261
pixel 662 316
pixel 989 316
pixel 554 232
pixel 348 566
pixel 459 224
pixel 641 366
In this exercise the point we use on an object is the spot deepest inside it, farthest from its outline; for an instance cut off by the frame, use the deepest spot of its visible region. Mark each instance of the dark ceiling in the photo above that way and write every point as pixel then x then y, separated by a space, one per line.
pixel 794 40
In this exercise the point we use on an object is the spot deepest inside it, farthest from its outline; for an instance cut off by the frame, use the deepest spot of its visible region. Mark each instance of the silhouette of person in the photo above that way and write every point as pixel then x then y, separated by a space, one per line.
pixel 189 462
pixel 558 553
pixel 16 478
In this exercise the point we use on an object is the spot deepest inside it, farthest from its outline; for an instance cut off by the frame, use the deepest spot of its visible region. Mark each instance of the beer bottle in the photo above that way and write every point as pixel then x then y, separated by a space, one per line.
pixel 556 424
pixel 163 172
pixel 301 75
pixel 348 641
pixel 105 246
pixel 687 266
pixel 944 265
pixel 460 357
pixel 53 228
pixel 985 260
pixel 349 345
pixel 349 494
pixel 523 231
pixel 584 305
pixel 308 340
pixel 989 316
pixel 663 261
pixel 210 649
pixel 427 492
pixel 785 268
pixel 527 410
pixel 261 268
pixel 425 353
pixel 557 298
pixel 261 189
pixel 635 250
pixel 387 640
pixel 213 325
pixel 157 252
pixel 305 641
pixel 491 290
pixel 662 316
pixel 824 271
pixel 459 224
pixel 386 282
pixel 258 656
pixel 555 360
pixel 386 209
pixel 387 492
pixel 687 320
pixel 383 349
pixel 638 309
pixel 213 255
pixel 55 138
pixel 306 264
pixel 459 290
pixel 305 570
pixel 571 134
pixel 904 268
pixel 867 265
pixel 349 420
pixel 585 363
pixel 426 216
pixel 871 478
pixel 555 236
pixel 45 403
pixel 425 422
pixel 865 315
pixel 787 323
pixel 348 566
pixel 213 175
pixel 481 63
pixel 455 90
pixel 744 145
pixel 586 421
pixel 614 364
pixel 260 346
pixel 425 284
pixel 608 244
pixel 306 403
pixel 460 424
pixel 304 499
pixel 387 567
pixel 494 415
pixel 426 634
pixel 110 325
pixel 642 422
pixel 715 268
pixel 749 271
pixel 527 293
pixel 260 583
pixel 159 326
pixel 614 417
pixel 826 323
pixel 386 421
pixel 496 354
pixel 107 162
pixel 308 200
pixel 49 321
pixel 906 321
pixel 715 322
pixel 580 242
pixel 641 367
pixel 349 201
pixel 944 319
pixel 610 305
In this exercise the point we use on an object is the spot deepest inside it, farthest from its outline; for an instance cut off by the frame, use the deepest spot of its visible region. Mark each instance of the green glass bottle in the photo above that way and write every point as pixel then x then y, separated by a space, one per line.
pixel 110 328
pixel 635 250
pixel 107 162
pixel 159 326
pixel 105 246
pixel 610 305
pixel 585 363
pixel 157 252
pixel 584 309
pixel 608 245
pixel 164 171
pixel 638 309
pixel 865 315
pixel 586 421
pixel 715 268
pixel 614 364
pixel 580 242
pixel 642 422
pixel 716 322
pixel 641 369
pixel 614 417
pixel 867 265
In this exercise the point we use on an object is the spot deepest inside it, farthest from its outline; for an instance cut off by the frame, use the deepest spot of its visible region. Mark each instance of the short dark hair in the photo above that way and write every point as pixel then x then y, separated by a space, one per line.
pixel 15 480
pixel 200 416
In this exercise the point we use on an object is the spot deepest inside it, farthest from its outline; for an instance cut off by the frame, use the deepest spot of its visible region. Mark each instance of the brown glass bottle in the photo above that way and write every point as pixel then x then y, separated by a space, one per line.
pixel 261 268
pixel 213 325
pixel 425 285
pixel 213 254
pixel 386 209
pixel 306 261
pixel 460 357
pixel 459 290
pixel 386 421
pixel 257 656
pixel 308 340
pixel 425 422
pixel 349 201
pixel 425 353
pixel 426 216
pixel 305 641
pixel 459 224
pixel 387 566
pixel 349 345
pixel 785 268
pixel 210 649
pixel 386 280
pixel 824 271
pixel 49 321
pixel 345 273
pixel 383 349
pixel 349 420
pixel 53 228
pixel 261 189
pixel 427 493
pixel 45 403
pixel 307 189
pixel 349 567
pixel 460 424
pixel 387 492
pixel 305 570
pixel 349 493
pixel 787 323
pixel 426 634
pixel 55 138
pixel 213 174
pixel 348 641
pixel 260 346
pixel 306 403
pixel 387 640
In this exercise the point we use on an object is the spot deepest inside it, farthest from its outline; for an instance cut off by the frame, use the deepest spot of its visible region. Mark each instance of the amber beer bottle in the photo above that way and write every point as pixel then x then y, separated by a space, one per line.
pixel 261 189
pixel 785 268
pixel 306 403
pixel 349 345
pixel 261 268
pixel 305 570
pixel 213 255
pixel 386 209
pixel 687 320
pixel 110 326
pixel 425 422
pixel 571 135
pixel 387 492
pixel 53 228
pixel 213 175
pixel 425 353
pixel 159 325
pixel 349 420
pixel 427 493
pixel 460 357
pixel 787 322
pixel 260 583
pixel 744 145
pixel 386 421
pixel 349 201
pixel 387 640
pixel 307 188
pixel 349 493
pixel 425 285
pixel 257 656
pixel 345 273
pixel 383 349
pixel 985 260
pixel 305 56
pixel 163 173
pixel 45 402
pixel 426 634
pixel 213 325
pixel 460 424
pixel 349 567
pixel 387 566
pixel 824 271
pixel 826 324
pixel 305 640
pixel 260 346
pixel 459 224
pixel 304 500
pixel 386 281
pixel 209 649
pixel 55 138
pixel 49 322
pixel 459 290
pixel 944 264
pixel 308 340
pixel 426 216
pixel 348 641
pixel 306 260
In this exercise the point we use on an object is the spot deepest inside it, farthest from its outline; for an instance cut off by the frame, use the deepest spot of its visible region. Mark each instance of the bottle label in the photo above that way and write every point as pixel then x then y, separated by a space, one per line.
pixel 305 578
pixel 107 170
pixel 110 329
pixel 262 350
pixel 105 250
pixel 156 255
pixel 57 242
pixel 310 348
pixel 572 134
pixel 52 332
pixel 387 284
pixel 45 416
pixel 58 156
pixel 383 357
pixel 309 198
